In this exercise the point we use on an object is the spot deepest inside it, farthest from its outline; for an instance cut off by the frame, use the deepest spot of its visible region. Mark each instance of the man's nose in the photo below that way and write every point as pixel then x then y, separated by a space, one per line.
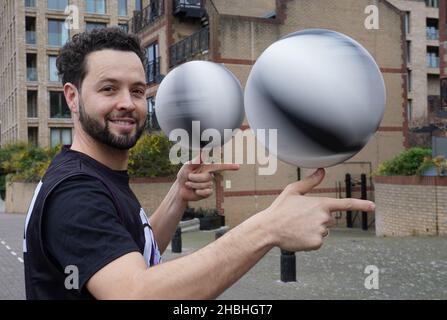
pixel 125 101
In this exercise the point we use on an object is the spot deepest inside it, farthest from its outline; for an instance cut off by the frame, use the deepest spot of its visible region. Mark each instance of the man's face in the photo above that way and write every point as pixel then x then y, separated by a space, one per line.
pixel 112 105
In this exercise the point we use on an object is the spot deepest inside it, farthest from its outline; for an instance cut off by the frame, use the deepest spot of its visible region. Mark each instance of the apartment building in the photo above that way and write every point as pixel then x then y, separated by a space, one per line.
pixel 234 33
pixel 32 105
pixel 443 59
pixel 422 33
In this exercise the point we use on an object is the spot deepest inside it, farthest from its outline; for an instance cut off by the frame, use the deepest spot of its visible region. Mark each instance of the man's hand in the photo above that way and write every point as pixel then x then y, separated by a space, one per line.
pixel 196 181
pixel 297 222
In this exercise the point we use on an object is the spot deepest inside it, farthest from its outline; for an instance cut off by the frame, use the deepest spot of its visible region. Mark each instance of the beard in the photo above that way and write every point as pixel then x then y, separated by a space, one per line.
pixel 101 133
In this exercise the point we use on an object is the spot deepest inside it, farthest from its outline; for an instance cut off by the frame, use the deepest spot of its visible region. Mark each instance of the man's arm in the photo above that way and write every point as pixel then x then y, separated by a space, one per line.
pixel 293 222
pixel 202 275
pixel 194 182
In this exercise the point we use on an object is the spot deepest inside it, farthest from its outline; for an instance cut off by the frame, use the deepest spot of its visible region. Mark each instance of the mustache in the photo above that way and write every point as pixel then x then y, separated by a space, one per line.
pixel 129 115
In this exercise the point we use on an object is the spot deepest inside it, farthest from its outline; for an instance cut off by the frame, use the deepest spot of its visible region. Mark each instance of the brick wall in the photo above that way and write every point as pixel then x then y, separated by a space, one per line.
pixel 409 206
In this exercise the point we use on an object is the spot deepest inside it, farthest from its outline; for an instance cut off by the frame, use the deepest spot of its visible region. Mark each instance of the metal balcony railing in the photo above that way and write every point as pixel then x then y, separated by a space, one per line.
pixel 188 8
pixel 189 47
pixel 187 4
pixel 30 37
pixel 146 17
pixel 152 71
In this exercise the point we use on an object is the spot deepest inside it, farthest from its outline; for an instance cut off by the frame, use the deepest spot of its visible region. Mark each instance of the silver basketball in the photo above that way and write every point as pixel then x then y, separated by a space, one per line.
pixel 204 92
pixel 323 93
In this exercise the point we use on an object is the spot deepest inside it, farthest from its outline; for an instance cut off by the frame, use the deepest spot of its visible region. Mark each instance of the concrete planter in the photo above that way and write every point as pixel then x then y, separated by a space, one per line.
pixel 18 196
pixel 210 222
pixel 149 191
pixel 410 205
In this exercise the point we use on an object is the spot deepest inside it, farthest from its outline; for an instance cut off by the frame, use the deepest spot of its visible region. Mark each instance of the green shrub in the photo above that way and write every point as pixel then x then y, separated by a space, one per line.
pixel 22 162
pixel 150 157
pixel 407 163
pixel 439 163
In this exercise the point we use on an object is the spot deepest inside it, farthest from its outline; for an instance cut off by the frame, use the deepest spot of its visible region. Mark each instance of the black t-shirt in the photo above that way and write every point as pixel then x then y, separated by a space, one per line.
pixel 82 217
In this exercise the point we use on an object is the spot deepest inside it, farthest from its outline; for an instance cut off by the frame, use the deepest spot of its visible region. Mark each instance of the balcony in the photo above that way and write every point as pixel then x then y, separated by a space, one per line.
pixel 188 8
pixel 153 71
pixel 184 50
pixel 30 37
pixel 148 16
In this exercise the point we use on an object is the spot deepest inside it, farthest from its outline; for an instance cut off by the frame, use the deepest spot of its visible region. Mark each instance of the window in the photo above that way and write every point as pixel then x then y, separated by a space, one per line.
pixel 89 26
pixel 52 69
pixel 57 4
pixel 138 5
pixel 30 27
pixel 31 104
pixel 31 67
pixel 122 8
pixel 408 51
pixel 432 28
pixel 409 81
pixel 96 6
pixel 60 136
pixel 30 3
pixel 153 62
pixel 432 57
pixel 57 33
pixel 407 23
pixel 444 94
pixel 152 123
pixel 432 3
pixel 58 105
pixel 32 136
pixel 124 27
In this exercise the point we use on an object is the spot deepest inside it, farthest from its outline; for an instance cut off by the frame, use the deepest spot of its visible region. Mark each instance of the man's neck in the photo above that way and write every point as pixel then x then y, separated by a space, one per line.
pixel 113 158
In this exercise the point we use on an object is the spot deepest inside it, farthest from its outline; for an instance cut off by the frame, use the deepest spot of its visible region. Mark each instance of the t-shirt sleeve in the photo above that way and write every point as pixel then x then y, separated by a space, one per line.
pixel 81 227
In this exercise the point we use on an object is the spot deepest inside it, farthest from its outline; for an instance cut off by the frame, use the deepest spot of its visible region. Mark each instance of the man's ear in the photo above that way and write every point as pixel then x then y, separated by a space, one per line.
pixel 72 97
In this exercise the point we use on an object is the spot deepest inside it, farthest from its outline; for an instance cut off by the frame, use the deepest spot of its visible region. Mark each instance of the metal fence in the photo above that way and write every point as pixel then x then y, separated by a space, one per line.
pixel 146 17
pixel 189 47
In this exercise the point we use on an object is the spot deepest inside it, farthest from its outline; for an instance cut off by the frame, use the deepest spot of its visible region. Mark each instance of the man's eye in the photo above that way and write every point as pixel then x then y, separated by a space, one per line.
pixel 107 89
pixel 138 92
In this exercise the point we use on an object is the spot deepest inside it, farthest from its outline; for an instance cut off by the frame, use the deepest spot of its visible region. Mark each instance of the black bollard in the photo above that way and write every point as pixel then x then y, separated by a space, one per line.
pixel 176 243
pixel 288 266
pixel 364 196
pixel 348 186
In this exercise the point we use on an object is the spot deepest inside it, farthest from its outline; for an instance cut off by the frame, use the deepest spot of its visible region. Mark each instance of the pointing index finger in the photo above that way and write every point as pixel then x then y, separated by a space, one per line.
pixel 350 205
pixel 219 167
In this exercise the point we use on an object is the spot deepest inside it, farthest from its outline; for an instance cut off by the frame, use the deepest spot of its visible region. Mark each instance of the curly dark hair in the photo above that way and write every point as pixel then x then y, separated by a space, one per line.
pixel 71 62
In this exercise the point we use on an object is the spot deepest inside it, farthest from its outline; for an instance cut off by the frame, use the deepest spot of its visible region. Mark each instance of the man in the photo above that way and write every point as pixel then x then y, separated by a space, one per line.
pixel 86 235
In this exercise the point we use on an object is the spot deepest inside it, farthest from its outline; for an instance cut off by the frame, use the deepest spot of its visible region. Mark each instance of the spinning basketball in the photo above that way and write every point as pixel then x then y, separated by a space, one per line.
pixel 204 94
pixel 323 93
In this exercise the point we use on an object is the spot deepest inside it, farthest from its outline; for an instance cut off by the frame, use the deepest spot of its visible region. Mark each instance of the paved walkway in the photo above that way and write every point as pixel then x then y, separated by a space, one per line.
pixel 11 264
pixel 409 268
